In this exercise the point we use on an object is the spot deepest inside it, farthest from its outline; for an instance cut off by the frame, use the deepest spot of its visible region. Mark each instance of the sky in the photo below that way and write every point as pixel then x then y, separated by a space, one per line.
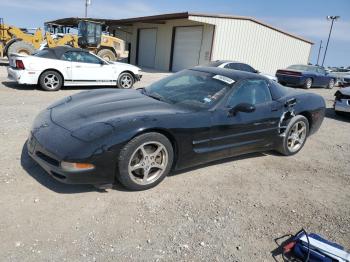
pixel 305 18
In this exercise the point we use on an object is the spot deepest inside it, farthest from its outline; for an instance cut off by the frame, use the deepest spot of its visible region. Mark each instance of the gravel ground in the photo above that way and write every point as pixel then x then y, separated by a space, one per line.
pixel 231 210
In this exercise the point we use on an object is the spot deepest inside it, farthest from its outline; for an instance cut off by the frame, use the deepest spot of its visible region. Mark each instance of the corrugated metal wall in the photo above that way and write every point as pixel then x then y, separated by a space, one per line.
pixel 262 47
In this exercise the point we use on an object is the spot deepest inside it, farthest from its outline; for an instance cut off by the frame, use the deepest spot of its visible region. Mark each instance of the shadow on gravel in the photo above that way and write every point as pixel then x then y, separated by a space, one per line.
pixel 40 175
pixel 14 85
pixel 330 113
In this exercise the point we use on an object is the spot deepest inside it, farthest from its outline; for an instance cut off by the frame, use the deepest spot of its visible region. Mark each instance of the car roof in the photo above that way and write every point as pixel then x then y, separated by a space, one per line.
pixel 233 74
pixel 58 51
pixel 220 62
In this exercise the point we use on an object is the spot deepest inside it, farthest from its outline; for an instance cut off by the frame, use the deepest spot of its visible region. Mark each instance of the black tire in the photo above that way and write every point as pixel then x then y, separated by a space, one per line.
pixel 20 47
pixel 127 179
pixel 283 148
pixel 107 55
pixel 45 84
pixel 331 84
pixel 308 83
pixel 126 80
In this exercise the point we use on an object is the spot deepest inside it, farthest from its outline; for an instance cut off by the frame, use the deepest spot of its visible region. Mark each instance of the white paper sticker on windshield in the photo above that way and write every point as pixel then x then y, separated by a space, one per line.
pixel 224 79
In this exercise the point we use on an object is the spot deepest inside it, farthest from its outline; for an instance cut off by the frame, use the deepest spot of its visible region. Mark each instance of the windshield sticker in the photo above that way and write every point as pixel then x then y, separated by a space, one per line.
pixel 225 79
pixel 207 100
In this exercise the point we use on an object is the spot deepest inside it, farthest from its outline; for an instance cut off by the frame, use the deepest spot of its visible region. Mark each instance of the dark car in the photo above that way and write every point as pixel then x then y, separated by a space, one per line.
pixel 192 117
pixel 228 64
pixel 306 76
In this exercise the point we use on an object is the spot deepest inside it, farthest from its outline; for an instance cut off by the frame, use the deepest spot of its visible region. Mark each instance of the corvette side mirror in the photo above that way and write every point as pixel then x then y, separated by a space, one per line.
pixel 242 107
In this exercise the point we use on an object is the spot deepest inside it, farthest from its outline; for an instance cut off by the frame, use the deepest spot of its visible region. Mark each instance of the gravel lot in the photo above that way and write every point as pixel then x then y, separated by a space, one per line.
pixel 231 210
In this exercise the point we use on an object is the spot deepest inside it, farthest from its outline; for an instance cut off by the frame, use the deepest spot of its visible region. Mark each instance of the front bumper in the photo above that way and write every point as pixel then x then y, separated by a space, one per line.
pixel 49 144
pixel 138 77
pixel 51 165
pixel 342 106
pixel 22 76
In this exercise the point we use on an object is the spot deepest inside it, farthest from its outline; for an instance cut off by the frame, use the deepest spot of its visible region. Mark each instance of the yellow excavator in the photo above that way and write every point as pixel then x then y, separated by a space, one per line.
pixel 17 40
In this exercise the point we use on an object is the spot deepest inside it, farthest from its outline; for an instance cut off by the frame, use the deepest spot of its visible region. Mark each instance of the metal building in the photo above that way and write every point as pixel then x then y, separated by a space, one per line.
pixel 172 42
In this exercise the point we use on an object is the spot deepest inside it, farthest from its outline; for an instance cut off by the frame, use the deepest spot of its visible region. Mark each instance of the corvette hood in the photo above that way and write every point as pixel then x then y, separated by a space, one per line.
pixel 107 108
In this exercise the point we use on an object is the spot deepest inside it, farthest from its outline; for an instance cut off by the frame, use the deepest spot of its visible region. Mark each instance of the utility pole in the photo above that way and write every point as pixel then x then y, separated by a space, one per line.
pixel 332 18
pixel 319 52
pixel 87 3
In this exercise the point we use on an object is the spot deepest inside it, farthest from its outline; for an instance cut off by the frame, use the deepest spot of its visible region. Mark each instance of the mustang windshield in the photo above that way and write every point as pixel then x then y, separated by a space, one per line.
pixel 190 87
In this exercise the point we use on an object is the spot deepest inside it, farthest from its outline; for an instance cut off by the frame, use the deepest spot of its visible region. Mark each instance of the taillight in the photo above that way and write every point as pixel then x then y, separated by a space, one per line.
pixel 19 64
pixel 287 72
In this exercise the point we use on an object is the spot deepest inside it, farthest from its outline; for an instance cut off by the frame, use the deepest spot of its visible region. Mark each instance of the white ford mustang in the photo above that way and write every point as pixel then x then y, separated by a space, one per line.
pixel 55 67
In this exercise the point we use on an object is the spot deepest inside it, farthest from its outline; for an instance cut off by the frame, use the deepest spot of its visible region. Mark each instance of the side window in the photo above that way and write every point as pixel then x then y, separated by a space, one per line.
pixel 81 57
pixel 69 56
pixel 321 71
pixel 89 58
pixel 73 56
pixel 234 66
pixel 250 91
pixel 247 68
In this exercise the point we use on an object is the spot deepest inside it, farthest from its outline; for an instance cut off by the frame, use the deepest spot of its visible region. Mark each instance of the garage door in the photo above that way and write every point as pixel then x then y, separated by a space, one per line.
pixel 187 46
pixel 147 47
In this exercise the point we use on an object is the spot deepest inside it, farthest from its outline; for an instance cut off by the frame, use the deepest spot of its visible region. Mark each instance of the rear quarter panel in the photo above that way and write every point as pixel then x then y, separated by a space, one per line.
pixel 40 64
pixel 313 107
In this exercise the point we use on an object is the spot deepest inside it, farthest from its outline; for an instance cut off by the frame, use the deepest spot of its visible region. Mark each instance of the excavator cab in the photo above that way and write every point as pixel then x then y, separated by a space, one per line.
pixel 89 33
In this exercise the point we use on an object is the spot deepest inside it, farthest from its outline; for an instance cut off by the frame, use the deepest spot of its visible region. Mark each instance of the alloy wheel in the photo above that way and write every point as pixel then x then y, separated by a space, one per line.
pixel 331 84
pixel 148 163
pixel 126 81
pixel 51 81
pixel 296 136
pixel 308 83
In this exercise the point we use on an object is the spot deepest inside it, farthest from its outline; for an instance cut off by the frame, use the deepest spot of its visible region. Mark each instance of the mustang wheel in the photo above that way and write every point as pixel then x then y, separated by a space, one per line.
pixel 51 81
pixel 331 84
pixel 295 136
pixel 308 83
pixel 126 80
pixel 145 161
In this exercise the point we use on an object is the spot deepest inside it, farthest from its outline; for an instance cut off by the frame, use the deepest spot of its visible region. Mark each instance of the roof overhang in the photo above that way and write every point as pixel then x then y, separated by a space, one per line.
pixel 161 19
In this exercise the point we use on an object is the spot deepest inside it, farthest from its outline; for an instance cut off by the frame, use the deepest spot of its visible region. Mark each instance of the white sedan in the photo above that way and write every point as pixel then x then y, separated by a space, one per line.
pixel 55 67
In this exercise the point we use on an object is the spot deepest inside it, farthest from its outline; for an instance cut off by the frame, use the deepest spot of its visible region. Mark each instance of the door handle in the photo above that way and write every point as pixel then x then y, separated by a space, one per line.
pixel 77 66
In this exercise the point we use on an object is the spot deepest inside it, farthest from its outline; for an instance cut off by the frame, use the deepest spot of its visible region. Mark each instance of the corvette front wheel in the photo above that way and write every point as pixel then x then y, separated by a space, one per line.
pixel 145 161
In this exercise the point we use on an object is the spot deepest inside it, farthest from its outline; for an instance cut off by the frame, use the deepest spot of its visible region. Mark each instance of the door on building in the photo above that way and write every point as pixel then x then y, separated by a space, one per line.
pixel 147 47
pixel 187 47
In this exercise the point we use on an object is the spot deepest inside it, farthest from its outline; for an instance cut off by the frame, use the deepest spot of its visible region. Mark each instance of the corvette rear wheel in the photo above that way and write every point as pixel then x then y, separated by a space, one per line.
pixel 295 136
pixel 50 81
pixel 145 161
pixel 308 83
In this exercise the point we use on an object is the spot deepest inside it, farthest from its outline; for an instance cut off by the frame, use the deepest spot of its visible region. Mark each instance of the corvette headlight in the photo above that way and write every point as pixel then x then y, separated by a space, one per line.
pixel 68 166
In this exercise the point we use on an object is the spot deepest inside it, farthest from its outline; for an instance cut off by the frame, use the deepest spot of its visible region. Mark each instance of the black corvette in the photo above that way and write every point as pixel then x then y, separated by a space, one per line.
pixel 192 117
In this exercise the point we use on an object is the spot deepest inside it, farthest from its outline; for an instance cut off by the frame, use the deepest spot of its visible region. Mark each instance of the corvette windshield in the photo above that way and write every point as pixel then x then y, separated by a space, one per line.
pixel 190 87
